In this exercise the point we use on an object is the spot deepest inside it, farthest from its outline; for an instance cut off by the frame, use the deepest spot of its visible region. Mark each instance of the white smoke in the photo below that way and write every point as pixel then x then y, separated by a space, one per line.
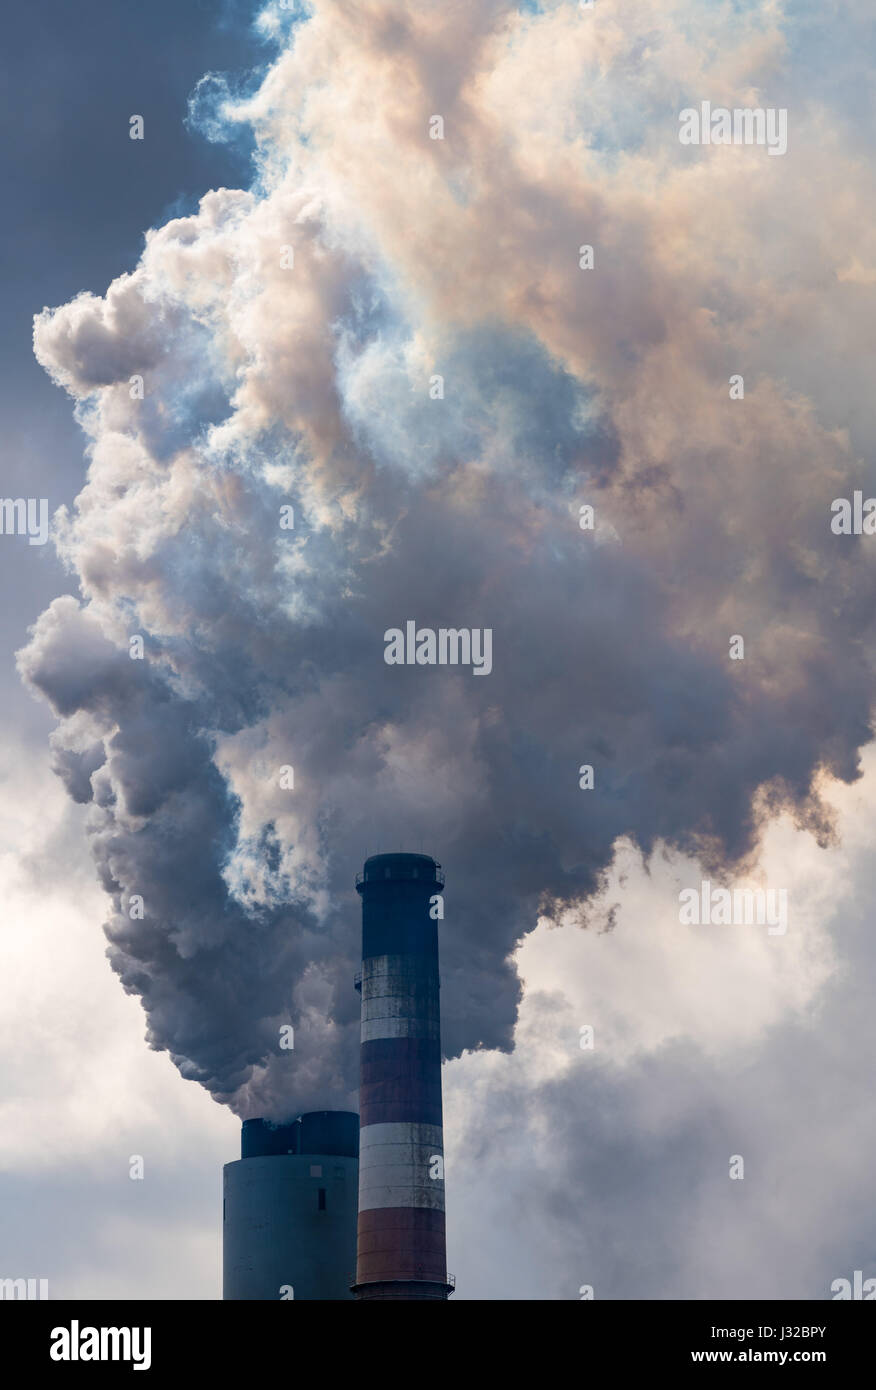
pixel 287 337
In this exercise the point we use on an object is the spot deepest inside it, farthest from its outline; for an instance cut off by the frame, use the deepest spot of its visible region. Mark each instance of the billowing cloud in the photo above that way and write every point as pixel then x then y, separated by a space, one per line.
pixel 290 339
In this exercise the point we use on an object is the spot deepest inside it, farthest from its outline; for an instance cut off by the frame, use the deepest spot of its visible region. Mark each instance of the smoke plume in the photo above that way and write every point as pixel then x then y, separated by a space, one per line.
pixel 391 334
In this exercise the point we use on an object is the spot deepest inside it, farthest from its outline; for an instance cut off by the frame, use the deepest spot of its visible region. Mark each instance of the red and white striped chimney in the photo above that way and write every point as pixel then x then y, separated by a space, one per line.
pixel 401 1240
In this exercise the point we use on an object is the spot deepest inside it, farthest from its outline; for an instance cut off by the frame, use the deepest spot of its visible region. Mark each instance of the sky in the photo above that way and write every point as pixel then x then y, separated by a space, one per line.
pixel 343 273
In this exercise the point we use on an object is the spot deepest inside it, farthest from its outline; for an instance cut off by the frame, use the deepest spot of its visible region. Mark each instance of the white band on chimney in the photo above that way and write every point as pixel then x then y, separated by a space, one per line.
pixel 395 1163
pixel 392 1001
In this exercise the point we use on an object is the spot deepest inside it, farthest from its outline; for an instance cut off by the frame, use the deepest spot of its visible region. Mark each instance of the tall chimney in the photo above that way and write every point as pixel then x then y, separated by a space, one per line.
pixel 401 1240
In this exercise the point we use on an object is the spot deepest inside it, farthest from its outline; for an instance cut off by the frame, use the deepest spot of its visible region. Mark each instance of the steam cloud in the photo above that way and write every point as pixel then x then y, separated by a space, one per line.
pixel 268 385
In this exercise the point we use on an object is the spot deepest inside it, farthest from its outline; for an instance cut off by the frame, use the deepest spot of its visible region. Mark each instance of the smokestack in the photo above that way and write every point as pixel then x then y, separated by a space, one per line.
pixel 289 1209
pixel 401 1245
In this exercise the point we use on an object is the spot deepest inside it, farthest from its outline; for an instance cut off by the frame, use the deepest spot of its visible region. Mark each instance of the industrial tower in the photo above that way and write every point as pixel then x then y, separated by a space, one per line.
pixel 401 1239
pixel 289 1209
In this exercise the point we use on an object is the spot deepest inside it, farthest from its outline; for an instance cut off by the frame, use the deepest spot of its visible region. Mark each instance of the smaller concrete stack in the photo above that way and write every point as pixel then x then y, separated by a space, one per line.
pixel 289 1209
